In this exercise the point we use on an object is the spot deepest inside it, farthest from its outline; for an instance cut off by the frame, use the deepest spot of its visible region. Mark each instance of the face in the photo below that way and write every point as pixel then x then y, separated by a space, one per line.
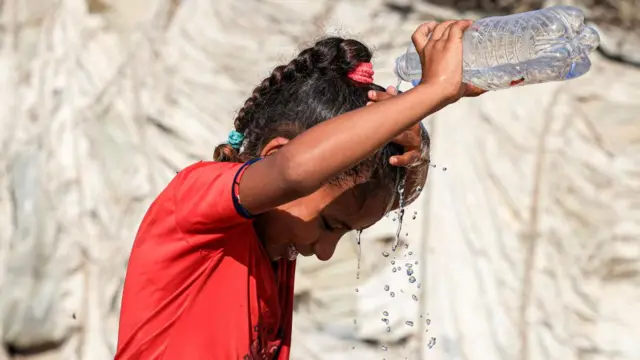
pixel 313 225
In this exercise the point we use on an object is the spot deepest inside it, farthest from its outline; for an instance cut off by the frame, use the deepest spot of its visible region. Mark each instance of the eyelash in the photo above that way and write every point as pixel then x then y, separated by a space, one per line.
pixel 326 224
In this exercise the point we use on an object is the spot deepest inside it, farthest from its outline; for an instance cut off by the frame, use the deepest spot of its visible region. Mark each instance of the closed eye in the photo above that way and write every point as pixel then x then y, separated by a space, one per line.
pixel 325 223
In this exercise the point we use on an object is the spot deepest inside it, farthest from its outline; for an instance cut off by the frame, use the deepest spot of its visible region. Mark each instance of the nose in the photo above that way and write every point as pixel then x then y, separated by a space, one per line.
pixel 325 247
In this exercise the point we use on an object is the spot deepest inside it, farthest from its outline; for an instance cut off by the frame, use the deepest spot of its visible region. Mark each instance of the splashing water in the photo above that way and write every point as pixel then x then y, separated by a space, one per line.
pixel 412 279
pixel 388 328
pixel 358 236
pixel 400 212
pixel 385 313
pixel 409 323
pixel 409 272
pixel 428 321
pixel 385 254
pixel 392 294
pixel 432 343
pixel 384 348
pixel 414 297
pixel 386 288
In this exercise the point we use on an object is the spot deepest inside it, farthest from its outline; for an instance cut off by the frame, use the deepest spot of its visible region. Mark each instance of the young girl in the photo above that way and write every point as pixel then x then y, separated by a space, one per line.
pixel 212 268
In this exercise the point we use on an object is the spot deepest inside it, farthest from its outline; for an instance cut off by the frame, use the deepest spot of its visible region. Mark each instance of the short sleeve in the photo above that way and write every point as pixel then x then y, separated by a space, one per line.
pixel 206 196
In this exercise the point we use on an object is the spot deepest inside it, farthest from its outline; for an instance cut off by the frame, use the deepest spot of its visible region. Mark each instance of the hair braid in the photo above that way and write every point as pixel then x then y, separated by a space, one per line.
pixel 328 57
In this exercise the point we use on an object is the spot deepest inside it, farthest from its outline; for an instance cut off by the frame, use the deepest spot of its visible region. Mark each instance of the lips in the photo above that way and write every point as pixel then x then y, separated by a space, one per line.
pixel 292 252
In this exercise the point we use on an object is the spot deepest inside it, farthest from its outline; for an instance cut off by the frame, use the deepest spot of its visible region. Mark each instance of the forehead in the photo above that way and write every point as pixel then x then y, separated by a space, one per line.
pixel 360 206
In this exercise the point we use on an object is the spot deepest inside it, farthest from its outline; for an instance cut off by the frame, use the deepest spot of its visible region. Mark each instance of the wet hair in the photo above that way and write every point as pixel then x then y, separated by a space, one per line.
pixel 310 89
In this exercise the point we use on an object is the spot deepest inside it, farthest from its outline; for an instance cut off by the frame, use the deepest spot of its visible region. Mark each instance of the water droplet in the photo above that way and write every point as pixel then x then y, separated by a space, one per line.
pixel 428 321
pixel 386 288
pixel 409 272
pixel 385 313
pixel 412 279
pixel 415 212
pixel 394 269
pixel 385 254
pixel 414 297
pixel 433 165
pixel 353 348
pixel 355 321
pixel 357 290
pixel 399 268
pixel 384 320
pixel 393 262
pixel 419 286
pixel 414 217
pixel 444 169
pixel 388 328
pixel 416 262
pixel 410 323
pixel 384 348
pixel 407 234
pixel 394 219
pixel 410 252
pixel 408 265
pixel 419 188
pixel 432 343
pixel 392 294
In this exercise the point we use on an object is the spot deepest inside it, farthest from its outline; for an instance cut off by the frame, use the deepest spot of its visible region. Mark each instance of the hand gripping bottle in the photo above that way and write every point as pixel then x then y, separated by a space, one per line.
pixel 550 44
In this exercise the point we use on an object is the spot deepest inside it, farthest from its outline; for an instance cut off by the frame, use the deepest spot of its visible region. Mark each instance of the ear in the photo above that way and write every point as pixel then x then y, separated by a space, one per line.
pixel 273 146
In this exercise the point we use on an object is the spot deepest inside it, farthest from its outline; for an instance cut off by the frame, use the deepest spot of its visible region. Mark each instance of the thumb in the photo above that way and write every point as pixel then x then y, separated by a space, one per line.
pixel 421 36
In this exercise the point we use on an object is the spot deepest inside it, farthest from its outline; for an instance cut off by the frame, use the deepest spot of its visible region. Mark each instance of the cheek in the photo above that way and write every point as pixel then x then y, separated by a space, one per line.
pixel 302 224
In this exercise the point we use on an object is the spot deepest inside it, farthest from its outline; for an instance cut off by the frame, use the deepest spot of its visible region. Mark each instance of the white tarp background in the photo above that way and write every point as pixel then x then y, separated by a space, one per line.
pixel 527 245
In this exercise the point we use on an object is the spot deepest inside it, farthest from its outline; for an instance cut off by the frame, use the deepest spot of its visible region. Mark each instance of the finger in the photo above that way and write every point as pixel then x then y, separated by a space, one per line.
pixel 370 103
pixel 473 91
pixel 457 30
pixel 378 95
pixel 421 35
pixel 392 90
pixel 440 29
pixel 408 140
pixel 406 159
pixel 445 36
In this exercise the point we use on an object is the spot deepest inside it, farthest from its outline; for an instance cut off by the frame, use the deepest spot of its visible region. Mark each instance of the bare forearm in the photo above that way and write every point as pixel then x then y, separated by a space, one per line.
pixel 331 147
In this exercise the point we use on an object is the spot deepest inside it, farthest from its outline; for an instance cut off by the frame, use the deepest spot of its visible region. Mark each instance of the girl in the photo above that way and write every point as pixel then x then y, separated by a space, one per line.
pixel 212 267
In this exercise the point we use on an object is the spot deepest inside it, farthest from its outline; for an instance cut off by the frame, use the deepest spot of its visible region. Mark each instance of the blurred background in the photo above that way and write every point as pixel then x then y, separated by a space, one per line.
pixel 525 244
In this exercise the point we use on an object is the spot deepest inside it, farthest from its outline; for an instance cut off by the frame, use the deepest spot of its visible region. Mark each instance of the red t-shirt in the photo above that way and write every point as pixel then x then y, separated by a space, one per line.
pixel 199 284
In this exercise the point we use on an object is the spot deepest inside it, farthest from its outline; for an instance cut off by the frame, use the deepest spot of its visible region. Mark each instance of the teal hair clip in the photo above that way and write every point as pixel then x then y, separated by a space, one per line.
pixel 235 139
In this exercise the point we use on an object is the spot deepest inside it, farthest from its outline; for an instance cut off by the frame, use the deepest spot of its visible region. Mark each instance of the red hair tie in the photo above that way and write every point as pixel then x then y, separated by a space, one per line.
pixel 362 73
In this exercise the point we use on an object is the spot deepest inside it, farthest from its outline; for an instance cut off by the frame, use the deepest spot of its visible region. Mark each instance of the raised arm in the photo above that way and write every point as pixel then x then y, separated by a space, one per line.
pixel 326 150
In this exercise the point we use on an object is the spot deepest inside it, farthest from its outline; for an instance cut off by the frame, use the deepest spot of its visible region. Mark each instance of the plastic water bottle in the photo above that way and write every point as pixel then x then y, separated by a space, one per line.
pixel 533 47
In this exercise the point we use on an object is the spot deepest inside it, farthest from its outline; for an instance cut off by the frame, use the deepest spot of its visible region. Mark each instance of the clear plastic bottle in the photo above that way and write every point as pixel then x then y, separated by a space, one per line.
pixel 545 45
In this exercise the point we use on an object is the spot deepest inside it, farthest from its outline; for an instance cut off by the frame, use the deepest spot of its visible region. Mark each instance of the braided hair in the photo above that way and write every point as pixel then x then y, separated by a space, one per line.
pixel 312 88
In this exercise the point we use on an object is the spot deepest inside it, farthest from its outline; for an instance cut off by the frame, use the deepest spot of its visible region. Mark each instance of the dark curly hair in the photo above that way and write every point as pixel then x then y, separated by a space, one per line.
pixel 312 88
